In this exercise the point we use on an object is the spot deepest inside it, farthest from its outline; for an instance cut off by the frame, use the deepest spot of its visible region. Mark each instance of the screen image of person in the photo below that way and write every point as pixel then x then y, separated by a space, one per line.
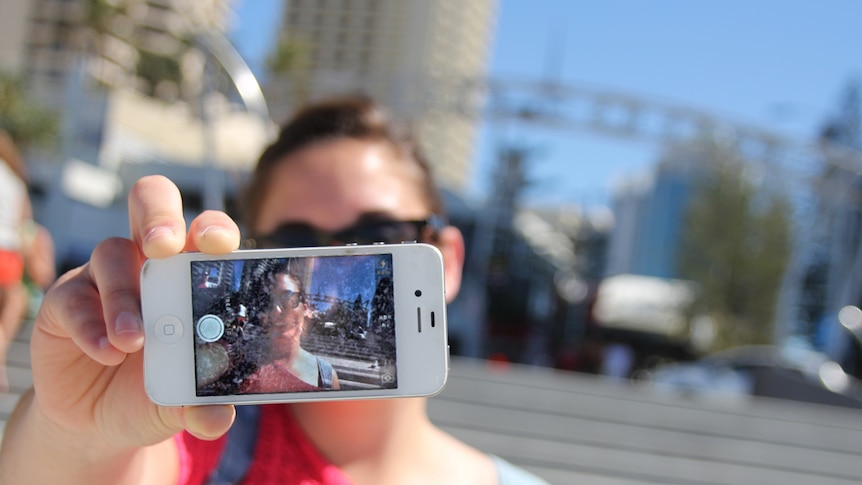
pixel 275 325
pixel 288 367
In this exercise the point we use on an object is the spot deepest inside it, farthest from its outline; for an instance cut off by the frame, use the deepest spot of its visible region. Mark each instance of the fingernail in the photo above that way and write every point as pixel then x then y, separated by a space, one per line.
pixel 209 231
pixel 159 232
pixel 127 323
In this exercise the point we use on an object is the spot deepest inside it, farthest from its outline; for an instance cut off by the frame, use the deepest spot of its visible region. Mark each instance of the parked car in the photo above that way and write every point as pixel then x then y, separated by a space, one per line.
pixel 769 371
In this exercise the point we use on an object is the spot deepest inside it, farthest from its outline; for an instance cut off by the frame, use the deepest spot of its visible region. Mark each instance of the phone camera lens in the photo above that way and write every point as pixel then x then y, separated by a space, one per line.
pixel 418 293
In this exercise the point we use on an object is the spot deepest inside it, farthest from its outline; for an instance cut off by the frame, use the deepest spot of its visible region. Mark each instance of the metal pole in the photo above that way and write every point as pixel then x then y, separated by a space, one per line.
pixel 218 49
pixel 214 190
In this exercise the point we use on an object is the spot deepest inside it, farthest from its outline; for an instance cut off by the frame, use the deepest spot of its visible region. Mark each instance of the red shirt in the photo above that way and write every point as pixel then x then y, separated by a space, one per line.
pixel 283 455
pixel 275 377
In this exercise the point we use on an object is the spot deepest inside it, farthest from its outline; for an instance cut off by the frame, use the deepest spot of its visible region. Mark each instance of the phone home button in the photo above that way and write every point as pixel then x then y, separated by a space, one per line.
pixel 169 329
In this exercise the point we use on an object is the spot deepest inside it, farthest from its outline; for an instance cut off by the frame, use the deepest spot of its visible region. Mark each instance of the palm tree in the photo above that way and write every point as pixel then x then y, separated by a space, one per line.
pixel 290 62
pixel 26 122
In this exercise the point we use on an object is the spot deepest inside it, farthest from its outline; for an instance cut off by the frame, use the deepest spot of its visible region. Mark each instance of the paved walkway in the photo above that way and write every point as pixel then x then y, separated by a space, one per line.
pixel 571 428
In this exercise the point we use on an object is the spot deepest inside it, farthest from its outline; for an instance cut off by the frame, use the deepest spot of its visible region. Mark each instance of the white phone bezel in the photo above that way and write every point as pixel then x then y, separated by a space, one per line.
pixel 422 357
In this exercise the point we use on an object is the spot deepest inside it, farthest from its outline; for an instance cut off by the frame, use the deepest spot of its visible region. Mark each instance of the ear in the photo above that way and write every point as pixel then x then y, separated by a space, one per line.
pixel 451 244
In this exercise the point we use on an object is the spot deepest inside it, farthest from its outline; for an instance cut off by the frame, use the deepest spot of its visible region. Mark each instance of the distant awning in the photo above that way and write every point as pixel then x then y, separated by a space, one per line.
pixel 645 304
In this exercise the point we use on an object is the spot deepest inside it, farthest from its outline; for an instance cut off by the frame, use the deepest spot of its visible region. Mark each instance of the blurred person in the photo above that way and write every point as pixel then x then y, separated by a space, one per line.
pixel 617 361
pixel 287 366
pixel 24 245
pixel 340 171
pixel 40 264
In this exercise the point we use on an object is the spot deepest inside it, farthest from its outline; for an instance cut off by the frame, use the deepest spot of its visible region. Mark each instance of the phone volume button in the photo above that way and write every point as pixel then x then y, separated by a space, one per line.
pixel 378 243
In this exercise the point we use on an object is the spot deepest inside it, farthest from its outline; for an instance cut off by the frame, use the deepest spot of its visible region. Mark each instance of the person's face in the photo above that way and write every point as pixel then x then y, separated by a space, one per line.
pixel 331 185
pixel 286 314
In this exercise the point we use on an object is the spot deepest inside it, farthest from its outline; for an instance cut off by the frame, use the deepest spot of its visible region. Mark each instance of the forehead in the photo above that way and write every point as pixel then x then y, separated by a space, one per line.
pixel 285 282
pixel 330 184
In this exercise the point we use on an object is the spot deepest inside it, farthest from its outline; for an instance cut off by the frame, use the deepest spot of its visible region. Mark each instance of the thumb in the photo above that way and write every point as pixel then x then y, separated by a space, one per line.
pixel 208 422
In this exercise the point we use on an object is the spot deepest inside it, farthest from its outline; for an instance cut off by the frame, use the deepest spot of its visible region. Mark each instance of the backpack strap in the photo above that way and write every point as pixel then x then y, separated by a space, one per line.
pixel 238 452
pixel 324 369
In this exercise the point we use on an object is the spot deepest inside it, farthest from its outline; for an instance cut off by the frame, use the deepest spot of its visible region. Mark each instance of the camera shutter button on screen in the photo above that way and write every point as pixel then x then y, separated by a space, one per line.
pixel 169 329
pixel 210 328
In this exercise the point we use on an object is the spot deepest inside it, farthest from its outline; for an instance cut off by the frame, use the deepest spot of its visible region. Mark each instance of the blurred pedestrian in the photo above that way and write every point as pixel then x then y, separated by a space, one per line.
pixel 25 249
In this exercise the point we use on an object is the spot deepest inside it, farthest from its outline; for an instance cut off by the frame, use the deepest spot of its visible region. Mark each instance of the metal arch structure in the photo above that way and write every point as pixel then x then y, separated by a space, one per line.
pixel 241 75
pixel 217 48
pixel 570 107
pixel 825 178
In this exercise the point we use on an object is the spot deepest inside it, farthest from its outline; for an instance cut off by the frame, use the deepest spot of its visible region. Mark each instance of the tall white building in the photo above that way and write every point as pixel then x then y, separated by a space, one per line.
pixel 43 39
pixel 414 55
pixel 117 123
pixel 14 29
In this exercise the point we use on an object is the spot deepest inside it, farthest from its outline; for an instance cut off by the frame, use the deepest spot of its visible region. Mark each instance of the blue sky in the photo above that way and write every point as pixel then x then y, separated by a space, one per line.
pixel 778 64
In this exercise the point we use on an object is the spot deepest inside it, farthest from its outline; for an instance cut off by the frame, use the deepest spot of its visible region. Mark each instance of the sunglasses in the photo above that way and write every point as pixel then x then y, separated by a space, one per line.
pixel 289 300
pixel 369 229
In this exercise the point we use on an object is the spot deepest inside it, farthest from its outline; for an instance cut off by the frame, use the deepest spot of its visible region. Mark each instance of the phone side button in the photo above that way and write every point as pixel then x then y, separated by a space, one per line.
pixel 169 329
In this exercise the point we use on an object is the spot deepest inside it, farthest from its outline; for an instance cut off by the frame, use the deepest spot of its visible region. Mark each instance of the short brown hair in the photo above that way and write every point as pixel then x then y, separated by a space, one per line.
pixel 355 116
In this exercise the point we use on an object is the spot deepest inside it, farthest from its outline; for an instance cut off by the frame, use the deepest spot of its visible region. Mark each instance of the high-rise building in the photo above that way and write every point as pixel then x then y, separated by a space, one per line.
pixel 125 76
pixel 132 42
pixel 649 217
pixel 416 56
pixel 14 28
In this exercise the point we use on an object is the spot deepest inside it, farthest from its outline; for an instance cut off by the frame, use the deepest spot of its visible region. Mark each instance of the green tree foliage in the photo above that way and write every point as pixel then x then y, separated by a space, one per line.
pixel 26 122
pixel 155 68
pixel 291 62
pixel 291 55
pixel 102 20
pixel 340 314
pixel 99 15
pixel 735 244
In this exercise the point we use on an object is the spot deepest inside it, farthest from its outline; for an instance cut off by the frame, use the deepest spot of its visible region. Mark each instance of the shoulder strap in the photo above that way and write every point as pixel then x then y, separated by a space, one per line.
pixel 324 369
pixel 509 474
pixel 238 452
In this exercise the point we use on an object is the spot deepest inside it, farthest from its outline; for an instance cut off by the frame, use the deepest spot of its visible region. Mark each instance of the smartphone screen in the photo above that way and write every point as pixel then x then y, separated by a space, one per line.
pixel 296 324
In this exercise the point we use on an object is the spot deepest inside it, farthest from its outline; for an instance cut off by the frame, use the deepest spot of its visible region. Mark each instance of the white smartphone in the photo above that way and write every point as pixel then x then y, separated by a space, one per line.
pixel 290 325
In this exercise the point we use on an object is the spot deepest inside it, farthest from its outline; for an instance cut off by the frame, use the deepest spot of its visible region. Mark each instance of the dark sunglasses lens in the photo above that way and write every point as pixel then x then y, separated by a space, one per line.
pixel 290 300
pixel 388 232
pixel 291 236
pixel 303 235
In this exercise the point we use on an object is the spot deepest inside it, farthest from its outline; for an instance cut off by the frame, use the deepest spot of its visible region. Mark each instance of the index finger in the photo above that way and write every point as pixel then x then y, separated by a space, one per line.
pixel 156 217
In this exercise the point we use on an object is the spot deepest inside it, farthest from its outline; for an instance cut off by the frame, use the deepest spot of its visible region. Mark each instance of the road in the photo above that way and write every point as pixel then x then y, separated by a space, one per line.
pixel 574 428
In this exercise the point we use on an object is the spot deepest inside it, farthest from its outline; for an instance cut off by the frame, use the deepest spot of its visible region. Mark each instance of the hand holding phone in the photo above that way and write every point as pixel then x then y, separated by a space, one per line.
pixel 89 414
pixel 292 325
